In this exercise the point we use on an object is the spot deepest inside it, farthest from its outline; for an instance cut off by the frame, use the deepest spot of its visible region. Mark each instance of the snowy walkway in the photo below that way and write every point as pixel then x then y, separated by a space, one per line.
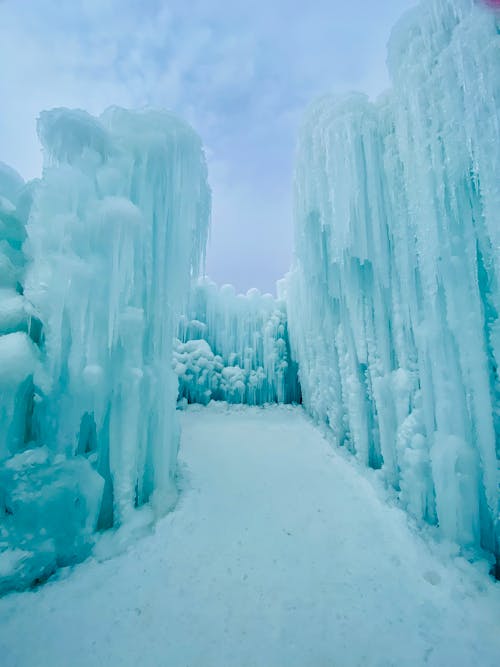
pixel 279 554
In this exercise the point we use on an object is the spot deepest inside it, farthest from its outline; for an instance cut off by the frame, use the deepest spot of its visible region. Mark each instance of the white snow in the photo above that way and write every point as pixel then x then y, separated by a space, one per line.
pixel 280 553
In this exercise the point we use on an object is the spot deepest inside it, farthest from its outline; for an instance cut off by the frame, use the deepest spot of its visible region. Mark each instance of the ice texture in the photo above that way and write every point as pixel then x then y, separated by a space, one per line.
pixel 51 506
pixel 119 223
pixel 28 550
pixel 12 236
pixel 11 184
pixel 393 299
pixel 19 327
pixel 18 357
pixel 234 347
pixel 96 261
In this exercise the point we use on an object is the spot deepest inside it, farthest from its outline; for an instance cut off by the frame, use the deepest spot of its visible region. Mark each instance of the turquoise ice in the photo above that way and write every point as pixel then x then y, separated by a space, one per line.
pixel 393 299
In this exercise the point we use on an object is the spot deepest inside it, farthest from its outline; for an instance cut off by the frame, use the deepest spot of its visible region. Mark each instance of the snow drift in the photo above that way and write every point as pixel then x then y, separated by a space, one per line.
pixel 393 300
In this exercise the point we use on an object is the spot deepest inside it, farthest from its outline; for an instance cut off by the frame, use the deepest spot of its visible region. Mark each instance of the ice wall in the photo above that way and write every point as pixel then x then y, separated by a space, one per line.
pixel 48 506
pixel 234 347
pixel 118 224
pixel 96 260
pixel 18 352
pixel 393 300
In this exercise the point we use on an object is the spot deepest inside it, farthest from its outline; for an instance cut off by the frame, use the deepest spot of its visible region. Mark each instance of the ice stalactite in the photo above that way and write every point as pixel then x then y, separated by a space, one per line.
pixel 393 300
pixel 234 347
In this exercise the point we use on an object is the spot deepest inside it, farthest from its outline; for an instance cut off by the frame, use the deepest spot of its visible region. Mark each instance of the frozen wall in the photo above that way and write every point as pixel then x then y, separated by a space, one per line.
pixel 48 506
pixel 117 227
pixel 18 353
pixel 393 300
pixel 118 223
pixel 234 347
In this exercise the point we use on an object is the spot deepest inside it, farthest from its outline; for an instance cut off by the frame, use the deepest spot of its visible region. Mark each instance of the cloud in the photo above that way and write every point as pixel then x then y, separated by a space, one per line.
pixel 241 73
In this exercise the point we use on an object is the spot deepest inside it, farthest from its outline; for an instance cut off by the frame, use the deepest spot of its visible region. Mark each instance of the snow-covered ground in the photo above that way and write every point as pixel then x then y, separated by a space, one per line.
pixel 280 553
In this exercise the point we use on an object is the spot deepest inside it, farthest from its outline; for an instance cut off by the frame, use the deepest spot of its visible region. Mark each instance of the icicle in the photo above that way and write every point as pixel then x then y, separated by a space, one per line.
pixel 393 301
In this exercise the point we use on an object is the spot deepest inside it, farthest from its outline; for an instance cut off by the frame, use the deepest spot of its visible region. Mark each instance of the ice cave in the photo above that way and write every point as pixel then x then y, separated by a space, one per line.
pixel 382 345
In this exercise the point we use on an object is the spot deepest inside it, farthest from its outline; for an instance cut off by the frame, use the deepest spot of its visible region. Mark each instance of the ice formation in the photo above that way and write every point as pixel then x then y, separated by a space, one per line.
pixel 393 300
pixel 48 506
pixel 234 347
pixel 116 229
pixel 17 351
pixel 391 308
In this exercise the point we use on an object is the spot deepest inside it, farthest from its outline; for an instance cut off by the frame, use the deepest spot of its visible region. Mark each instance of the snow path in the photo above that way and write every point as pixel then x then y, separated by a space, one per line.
pixel 280 553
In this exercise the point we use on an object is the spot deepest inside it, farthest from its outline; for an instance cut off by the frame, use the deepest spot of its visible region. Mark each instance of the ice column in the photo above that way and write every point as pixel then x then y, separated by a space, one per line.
pixel 118 226
pixel 393 300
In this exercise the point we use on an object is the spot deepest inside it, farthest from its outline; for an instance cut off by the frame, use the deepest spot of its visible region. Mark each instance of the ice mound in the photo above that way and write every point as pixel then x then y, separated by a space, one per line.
pixel 50 508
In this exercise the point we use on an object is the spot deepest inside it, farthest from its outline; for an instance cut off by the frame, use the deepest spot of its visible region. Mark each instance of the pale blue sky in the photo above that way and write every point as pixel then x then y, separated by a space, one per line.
pixel 240 72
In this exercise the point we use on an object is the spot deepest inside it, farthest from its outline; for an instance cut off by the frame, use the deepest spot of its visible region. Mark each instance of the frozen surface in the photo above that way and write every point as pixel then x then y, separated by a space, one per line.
pixel 50 508
pixel 18 358
pixel 23 558
pixel 115 230
pixel 234 347
pixel 12 231
pixel 18 324
pixel 280 552
pixel 393 301
pixel 119 222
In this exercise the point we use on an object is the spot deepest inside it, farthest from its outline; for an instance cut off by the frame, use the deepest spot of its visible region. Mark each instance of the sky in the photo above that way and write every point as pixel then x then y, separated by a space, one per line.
pixel 242 73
